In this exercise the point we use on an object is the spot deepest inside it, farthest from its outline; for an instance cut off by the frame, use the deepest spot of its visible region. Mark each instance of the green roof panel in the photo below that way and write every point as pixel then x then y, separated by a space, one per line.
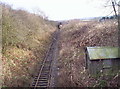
pixel 103 52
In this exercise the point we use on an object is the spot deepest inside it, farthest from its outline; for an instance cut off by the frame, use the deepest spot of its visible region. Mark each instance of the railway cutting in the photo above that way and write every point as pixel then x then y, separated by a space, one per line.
pixel 48 70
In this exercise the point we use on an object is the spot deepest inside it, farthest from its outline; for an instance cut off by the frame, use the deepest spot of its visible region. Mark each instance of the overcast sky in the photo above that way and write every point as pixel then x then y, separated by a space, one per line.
pixel 64 9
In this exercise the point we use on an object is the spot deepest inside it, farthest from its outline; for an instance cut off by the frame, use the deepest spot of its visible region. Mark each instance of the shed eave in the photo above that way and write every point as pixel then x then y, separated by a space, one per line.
pixel 96 53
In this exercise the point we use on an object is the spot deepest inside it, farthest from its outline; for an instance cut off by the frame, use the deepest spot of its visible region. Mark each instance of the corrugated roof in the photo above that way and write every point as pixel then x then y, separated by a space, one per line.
pixel 103 52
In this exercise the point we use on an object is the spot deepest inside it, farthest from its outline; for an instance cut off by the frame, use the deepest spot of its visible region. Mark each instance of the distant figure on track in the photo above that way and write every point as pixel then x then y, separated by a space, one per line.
pixel 59 25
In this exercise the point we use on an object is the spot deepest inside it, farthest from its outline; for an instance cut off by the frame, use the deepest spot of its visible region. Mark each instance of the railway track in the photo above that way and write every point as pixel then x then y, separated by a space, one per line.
pixel 42 80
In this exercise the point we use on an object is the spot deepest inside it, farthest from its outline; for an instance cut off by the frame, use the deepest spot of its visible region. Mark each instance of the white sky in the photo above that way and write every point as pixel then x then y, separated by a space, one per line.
pixel 64 9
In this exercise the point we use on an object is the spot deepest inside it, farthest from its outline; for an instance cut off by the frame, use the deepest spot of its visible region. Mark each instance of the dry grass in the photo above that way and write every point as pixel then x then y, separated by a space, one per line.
pixel 26 38
pixel 92 33
pixel 74 37
pixel 17 66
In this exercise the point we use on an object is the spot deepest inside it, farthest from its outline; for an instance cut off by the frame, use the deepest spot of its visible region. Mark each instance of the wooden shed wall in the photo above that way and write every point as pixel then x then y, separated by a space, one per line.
pixel 103 66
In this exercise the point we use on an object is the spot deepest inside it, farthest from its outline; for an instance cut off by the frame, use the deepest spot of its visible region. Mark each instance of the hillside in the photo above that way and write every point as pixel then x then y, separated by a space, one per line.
pixel 75 36
pixel 25 38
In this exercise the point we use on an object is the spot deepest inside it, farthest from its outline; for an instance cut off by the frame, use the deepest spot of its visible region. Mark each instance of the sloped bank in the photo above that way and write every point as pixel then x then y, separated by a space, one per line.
pixel 74 37
pixel 26 38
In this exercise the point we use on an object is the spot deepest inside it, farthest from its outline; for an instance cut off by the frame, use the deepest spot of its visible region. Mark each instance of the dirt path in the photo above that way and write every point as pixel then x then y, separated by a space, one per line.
pixel 49 65
pixel 53 80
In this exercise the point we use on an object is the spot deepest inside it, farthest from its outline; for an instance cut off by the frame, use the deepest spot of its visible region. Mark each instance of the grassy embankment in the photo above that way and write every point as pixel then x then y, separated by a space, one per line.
pixel 25 39
pixel 74 37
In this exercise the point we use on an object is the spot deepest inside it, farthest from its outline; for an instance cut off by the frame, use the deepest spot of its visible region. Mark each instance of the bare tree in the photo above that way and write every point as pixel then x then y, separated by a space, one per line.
pixel 38 11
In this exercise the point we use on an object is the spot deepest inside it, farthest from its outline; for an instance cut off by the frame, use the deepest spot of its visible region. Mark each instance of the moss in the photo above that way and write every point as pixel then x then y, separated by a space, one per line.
pixel 102 83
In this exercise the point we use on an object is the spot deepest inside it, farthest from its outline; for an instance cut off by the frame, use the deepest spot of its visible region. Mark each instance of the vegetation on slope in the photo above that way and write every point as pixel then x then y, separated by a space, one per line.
pixel 25 38
pixel 75 35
